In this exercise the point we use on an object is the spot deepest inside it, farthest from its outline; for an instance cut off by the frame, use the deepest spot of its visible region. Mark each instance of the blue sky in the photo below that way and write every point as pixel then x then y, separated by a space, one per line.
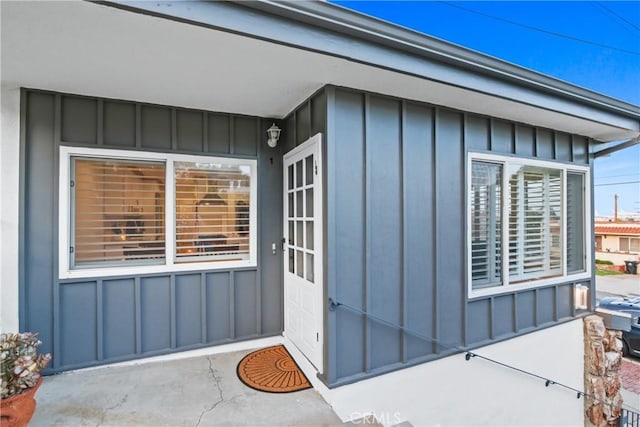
pixel 607 60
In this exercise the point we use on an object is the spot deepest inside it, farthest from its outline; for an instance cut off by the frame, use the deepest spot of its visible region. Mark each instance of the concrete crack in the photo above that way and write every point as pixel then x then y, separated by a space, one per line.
pixel 119 404
pixel 103 413
pixel 217 381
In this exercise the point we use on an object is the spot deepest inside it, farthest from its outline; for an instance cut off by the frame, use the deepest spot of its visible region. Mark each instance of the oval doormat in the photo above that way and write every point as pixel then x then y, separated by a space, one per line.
pixel 273 370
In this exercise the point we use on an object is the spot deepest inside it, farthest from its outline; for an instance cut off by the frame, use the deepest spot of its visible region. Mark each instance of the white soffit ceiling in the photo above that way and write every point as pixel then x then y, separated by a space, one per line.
pixel 90 49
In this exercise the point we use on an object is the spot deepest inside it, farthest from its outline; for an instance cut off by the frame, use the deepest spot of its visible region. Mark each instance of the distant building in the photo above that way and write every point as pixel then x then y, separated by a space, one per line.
pixel 617 242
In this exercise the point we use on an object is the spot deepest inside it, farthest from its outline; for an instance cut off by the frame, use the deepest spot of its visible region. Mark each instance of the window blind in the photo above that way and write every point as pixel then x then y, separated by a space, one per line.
pixel 212 211
pixel 486 224
pixel 118 212
pixel 535 223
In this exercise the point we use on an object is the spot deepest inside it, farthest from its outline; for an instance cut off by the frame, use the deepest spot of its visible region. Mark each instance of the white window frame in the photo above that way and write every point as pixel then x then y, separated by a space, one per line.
pixel 170 265
pixel 506 287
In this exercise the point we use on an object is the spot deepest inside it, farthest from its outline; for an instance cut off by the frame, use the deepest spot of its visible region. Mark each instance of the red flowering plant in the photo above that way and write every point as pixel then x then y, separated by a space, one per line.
pixel 20 363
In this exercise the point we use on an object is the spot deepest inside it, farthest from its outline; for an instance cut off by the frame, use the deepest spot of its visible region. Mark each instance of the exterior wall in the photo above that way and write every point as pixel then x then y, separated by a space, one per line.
pixel 396 254
pixel 453 391
pixel 9 211
pixel 308 119
pixel 611 243
pixel 85 322
pixel 609 250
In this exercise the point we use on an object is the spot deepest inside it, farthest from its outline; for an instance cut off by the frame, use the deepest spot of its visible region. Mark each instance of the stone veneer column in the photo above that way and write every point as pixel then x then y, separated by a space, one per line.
pixel 602 360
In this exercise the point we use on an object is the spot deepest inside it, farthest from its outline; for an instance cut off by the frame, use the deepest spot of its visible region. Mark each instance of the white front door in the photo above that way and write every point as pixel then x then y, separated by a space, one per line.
pixel 303 319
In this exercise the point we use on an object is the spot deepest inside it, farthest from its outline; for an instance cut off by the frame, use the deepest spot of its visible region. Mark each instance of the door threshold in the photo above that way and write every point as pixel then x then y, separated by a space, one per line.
pixel 307 367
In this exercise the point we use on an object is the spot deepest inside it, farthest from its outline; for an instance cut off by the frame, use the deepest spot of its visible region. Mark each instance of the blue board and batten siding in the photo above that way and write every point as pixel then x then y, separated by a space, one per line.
pixel 395 233
pixel 86 322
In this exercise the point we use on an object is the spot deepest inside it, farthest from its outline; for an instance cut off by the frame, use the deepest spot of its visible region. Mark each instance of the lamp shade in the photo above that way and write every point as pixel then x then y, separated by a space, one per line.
pixel 274 135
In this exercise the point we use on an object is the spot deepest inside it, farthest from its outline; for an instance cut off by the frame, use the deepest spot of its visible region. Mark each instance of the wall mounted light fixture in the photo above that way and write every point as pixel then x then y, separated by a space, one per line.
pixel 274 134
pixel 581 297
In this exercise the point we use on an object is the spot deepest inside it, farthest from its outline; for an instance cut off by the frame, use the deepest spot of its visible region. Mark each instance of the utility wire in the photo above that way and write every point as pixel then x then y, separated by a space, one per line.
pixel 617 176
pixel 622 18
pixel 540 30
pixel 616 183
pixel 468 354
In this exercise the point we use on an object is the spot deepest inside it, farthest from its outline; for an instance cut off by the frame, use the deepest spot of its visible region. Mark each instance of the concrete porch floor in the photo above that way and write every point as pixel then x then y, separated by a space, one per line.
pixel 198 391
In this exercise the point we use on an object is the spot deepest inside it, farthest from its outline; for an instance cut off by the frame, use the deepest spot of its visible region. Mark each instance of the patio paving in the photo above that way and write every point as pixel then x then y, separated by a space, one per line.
pixel 200 391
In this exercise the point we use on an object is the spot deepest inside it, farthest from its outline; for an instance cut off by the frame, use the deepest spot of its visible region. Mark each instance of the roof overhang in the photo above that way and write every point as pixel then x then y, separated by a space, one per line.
pixel 265 58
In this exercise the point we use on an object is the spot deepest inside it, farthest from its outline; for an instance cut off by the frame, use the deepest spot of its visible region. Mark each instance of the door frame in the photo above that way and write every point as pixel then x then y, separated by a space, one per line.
pixel 313 144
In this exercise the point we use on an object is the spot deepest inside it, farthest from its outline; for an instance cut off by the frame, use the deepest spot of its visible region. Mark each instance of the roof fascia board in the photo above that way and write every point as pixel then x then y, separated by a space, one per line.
pixel 276 22
pixel 338 18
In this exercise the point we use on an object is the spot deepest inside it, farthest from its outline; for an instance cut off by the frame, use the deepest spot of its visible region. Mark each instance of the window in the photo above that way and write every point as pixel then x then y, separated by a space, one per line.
pixel 629 244
pixel 212 211
pixel 576 222
pixel 486 224
pixel 534 210
pixel 116 212
pixel 124 212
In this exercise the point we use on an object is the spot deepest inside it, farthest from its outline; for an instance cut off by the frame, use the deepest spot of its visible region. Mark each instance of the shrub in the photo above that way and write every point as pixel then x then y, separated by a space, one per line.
pixel 604 262
pixel 20 364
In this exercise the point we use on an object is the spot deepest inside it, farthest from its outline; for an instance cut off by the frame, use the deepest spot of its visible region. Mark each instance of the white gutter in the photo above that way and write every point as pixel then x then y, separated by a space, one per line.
pixel 621 146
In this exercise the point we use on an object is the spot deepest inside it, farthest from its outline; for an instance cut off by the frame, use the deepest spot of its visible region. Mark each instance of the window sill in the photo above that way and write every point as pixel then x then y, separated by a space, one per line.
pixel 510 289
pixel 139 270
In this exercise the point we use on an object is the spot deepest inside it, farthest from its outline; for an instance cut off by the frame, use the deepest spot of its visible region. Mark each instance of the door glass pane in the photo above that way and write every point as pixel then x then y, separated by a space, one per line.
pixel 291 205
pixel 290 177
pixel 299 203
pixel 309 201
pixel 309 227
pixel 291 233
pixel 299 263
pixel 291 261
pixel 310 267
pixel 309 169
pixel 299 182
pixel 299 234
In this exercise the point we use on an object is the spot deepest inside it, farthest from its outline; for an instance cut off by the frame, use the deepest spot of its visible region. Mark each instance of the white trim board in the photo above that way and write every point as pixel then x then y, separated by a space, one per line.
pixel 10 209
